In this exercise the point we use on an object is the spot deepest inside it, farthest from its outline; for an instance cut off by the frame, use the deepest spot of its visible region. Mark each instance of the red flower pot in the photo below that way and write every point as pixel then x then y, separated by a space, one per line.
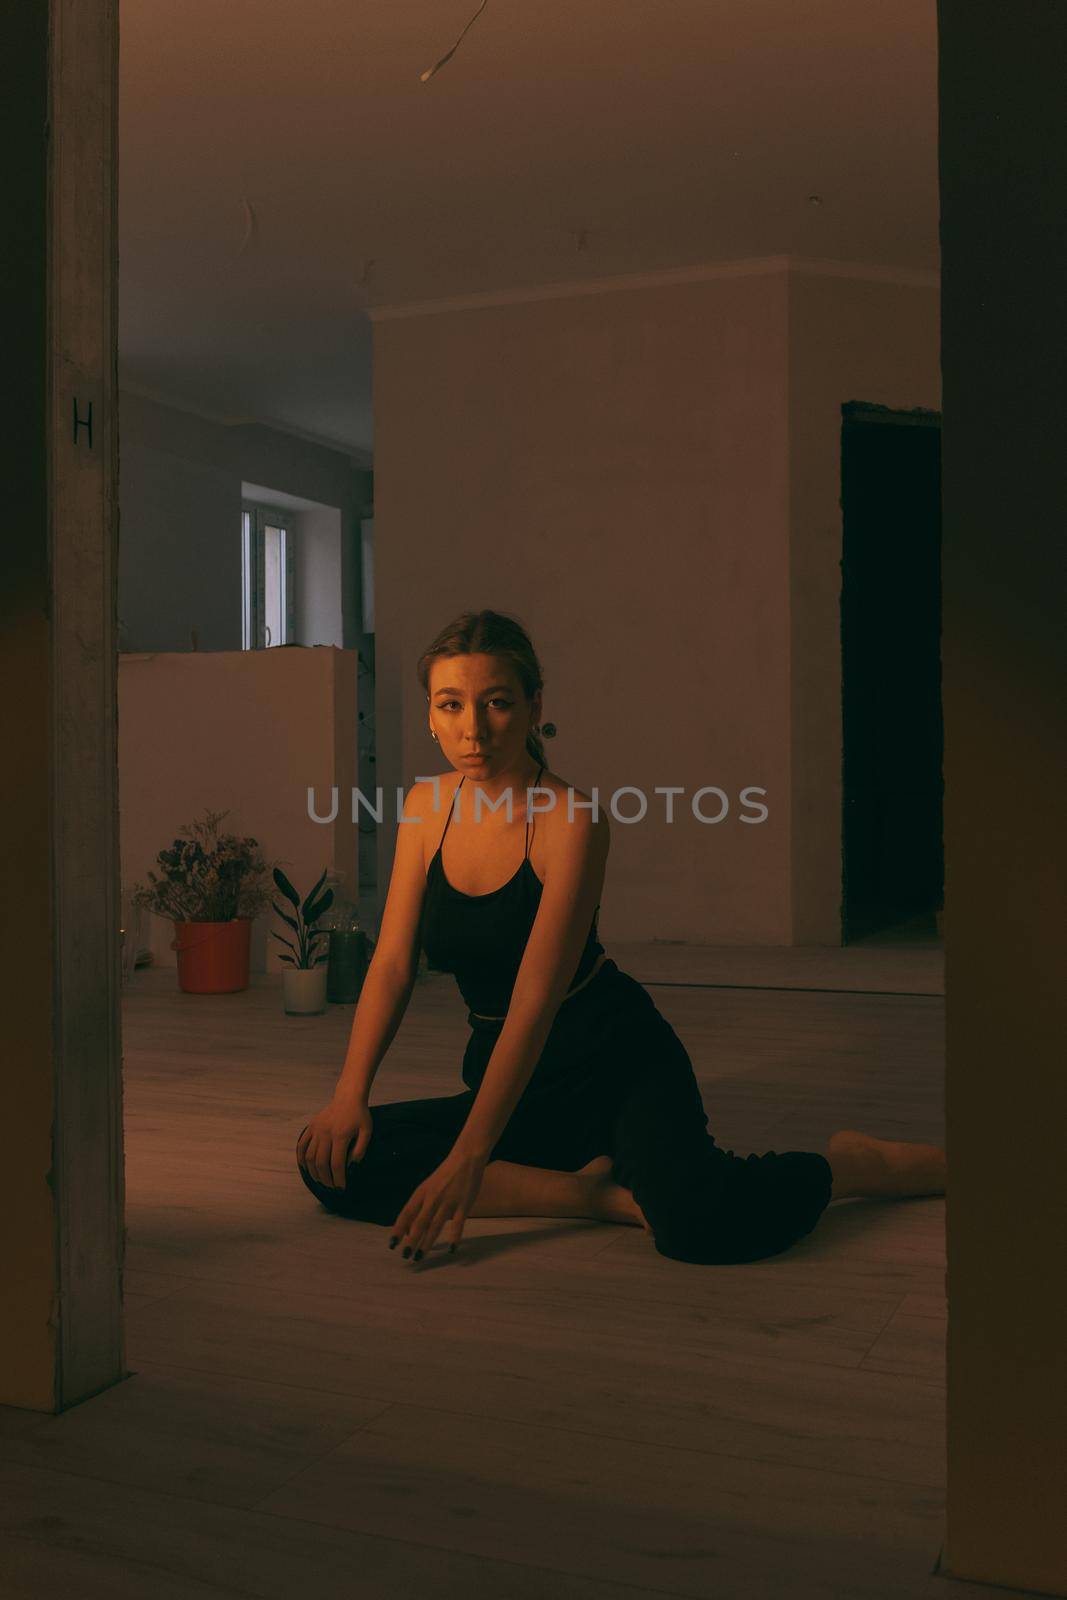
pixel 212 956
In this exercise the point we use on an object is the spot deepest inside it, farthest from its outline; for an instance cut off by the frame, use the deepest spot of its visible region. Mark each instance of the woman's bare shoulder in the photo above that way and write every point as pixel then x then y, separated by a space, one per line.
pixel 572 804
pixel 560 785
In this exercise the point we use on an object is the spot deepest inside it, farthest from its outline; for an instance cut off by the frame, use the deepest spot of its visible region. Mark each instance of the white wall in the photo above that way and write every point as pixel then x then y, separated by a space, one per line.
pixel 318 573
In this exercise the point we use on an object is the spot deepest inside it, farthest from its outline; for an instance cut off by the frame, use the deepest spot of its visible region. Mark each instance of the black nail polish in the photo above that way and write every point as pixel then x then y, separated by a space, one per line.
pixel 394 1241
pixel 451 1249
pixel 406 1251
pixel 418 1255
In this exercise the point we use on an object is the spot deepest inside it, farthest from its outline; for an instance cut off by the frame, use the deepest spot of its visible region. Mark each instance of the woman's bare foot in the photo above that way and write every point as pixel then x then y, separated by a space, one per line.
pixel 864 1165
pixel 609 1199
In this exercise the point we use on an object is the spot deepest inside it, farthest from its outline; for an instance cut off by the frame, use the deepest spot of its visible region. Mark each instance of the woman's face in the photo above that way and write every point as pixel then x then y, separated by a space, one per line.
pixel 480 714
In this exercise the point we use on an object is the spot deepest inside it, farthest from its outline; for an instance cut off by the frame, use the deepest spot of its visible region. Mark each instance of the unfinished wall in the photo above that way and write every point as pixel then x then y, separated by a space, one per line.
pixel 650 478
pixel 612 467
pixel 246 731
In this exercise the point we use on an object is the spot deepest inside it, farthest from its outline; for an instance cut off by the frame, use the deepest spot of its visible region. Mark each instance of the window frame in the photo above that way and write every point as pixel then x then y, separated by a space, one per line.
pixel 256 518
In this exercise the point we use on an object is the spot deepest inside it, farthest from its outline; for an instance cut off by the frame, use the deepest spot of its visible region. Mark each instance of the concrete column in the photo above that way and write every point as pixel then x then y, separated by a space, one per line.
pixel 1004 674
pixel 61 1177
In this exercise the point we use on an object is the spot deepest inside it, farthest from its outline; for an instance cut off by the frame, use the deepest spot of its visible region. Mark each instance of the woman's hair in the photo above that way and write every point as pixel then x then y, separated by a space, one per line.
pixel 490 633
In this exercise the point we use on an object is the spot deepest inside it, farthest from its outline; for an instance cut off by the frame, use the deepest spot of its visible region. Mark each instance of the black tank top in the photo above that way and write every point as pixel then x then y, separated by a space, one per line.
pixel 480 938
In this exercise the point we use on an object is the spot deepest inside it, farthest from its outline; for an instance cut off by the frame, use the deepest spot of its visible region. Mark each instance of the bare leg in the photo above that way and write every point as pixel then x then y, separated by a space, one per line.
pixel 863 1165
pixel 511 1190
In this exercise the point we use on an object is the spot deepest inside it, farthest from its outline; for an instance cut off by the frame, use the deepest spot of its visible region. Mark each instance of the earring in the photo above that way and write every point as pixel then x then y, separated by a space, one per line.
pixel 434 737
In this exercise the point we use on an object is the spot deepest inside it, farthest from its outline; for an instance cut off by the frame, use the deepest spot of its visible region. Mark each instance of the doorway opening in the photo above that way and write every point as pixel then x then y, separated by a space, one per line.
pixel 892 727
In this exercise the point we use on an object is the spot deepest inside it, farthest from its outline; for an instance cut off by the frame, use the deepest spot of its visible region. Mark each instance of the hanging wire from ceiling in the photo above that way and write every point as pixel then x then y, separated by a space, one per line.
pixel 250 225
pixel 424 77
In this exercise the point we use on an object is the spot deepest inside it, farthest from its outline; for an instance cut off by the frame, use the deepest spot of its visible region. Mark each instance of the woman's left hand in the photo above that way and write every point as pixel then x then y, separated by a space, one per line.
pixel 448 1192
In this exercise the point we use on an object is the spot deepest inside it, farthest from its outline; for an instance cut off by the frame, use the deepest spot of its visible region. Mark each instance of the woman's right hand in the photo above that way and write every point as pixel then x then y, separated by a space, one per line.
pixel 323 1147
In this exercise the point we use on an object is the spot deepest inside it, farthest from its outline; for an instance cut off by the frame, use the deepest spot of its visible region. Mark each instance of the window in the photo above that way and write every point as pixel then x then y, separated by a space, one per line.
pixel 267 566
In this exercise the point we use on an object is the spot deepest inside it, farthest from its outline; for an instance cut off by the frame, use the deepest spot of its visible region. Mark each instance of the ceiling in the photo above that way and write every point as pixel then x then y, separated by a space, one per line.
pixel 283 168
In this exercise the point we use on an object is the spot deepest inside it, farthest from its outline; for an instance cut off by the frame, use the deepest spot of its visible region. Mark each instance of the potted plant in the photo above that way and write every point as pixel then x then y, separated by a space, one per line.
pixel 211 885
pixel 304 981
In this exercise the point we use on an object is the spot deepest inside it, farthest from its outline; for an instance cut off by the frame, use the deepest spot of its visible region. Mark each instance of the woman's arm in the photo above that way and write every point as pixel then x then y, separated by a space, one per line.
pixel 390 977
pixel 575 862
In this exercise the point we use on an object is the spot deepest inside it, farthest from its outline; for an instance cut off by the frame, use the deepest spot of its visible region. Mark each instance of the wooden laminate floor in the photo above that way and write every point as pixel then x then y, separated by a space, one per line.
pixel 557 1411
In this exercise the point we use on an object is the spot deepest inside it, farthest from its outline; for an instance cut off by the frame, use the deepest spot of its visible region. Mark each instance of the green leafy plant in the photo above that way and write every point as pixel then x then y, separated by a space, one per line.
pixel 305 952
pixel 207 876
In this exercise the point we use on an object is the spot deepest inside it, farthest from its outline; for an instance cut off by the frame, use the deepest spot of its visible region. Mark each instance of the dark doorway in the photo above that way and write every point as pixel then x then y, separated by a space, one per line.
pixel 893 866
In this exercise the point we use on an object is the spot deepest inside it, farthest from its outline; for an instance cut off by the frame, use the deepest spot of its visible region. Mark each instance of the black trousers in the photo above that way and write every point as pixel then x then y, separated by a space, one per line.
pixel 613 1079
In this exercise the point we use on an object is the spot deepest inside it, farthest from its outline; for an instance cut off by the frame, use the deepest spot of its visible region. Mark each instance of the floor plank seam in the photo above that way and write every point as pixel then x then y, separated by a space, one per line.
pixel 537 1567
pixel 272 1383
pixel 881 1330
pixel 205 1586
pixel 319 1460
pixel 638 1343
pixel 796 988
pixel 848 1473
pixel 822 1471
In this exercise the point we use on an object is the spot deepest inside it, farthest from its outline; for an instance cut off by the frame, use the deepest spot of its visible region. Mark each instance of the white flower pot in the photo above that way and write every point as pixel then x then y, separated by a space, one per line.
pixel 304 989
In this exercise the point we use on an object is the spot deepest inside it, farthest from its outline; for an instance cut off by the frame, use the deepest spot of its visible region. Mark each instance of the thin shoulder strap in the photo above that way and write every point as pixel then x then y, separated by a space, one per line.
pixel 451 808
pixel 540 769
